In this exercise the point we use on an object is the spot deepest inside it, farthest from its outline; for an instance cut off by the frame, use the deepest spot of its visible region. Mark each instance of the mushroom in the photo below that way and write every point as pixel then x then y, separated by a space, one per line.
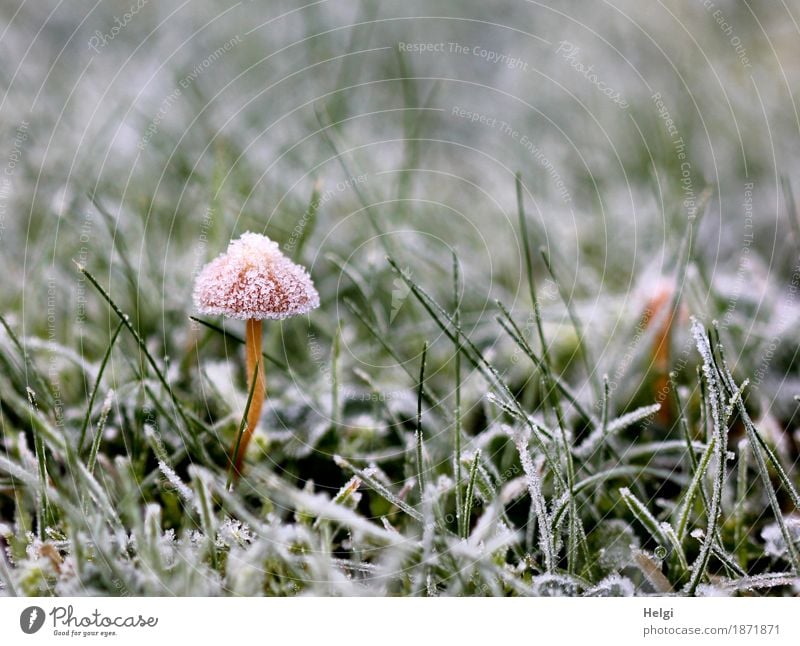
pixel 253 281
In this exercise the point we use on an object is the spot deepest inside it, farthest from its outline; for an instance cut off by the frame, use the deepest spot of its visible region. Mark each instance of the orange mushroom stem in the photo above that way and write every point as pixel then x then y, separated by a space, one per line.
pixel 253 361
pixel 661 349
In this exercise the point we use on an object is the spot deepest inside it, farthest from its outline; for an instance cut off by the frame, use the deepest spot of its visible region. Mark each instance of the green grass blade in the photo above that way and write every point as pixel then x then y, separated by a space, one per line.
pixel 457 424
pixel 418 433
pixel 469 496
pixel 374 484
pixel 96 387
pixel 583 346
pixel 742 487
pixel 643 515
pixel 27 361
pixel 202 480
pixel 695 486
pixel 526 245
pixel 336 413
pixel 758 444
pixel 242 425
pixel 720 435
pixel 98 436
pixel 546 537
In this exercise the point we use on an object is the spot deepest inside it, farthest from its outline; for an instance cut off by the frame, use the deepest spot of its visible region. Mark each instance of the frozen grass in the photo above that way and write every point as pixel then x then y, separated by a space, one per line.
pixel 502 392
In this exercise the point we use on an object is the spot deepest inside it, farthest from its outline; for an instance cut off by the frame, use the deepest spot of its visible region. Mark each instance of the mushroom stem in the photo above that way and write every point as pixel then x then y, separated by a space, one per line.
pixel 253 352
pixel 661 351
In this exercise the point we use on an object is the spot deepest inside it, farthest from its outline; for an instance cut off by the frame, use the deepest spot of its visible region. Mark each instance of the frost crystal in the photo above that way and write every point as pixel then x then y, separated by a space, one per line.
pixel 175 481
pixel 774 542
pixel 537 498
pixel 554 585
pixel 708 590
pixel 254 280
pixel 613 585
pixel 233 532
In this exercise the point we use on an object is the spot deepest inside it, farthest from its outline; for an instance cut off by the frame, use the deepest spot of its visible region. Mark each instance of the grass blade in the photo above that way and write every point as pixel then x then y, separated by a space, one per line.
pixel 583 346
pixel 720 436
pixel 96 387
pixel 523 230
pixel 28 362
pixel 739 532
pixel 202 486
pixel 98 436
pixel 374 484
pixel 470 495
pixel 232 473
pixel 758 444
pixel 643 515
pixel 418 434
pixel 457 425
pixel 546 538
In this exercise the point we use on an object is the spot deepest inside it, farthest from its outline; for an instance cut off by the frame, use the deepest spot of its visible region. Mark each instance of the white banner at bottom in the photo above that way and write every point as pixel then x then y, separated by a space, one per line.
pixel 396 621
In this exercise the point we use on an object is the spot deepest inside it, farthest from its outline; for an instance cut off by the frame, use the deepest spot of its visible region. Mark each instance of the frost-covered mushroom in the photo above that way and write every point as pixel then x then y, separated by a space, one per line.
pixel 253 281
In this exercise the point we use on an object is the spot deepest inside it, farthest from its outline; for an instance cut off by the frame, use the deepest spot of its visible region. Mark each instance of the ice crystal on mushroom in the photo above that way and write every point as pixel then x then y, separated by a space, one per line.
pixel 254 280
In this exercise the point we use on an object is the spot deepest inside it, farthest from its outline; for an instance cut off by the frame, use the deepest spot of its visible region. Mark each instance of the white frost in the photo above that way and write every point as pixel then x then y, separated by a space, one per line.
pixel 254 280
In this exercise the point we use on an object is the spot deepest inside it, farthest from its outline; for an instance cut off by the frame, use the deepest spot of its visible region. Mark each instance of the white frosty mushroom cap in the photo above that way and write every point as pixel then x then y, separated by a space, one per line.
pixel 254 280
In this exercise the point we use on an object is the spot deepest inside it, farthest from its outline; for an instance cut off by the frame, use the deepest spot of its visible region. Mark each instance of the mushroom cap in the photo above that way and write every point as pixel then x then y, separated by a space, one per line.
pixel 254 280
